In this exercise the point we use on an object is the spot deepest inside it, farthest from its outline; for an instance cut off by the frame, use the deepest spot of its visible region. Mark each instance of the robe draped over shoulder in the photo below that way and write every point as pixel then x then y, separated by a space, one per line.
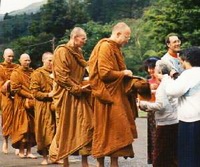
pixel 114 106
pixel 6 98
pixel 23 119
pixel 41 85
pixel 74 132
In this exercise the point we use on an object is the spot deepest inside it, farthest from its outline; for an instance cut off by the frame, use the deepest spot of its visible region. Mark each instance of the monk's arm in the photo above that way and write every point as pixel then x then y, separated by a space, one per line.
pixel 17 87
pixel 106 64
pixel 62 71
pixel 35 87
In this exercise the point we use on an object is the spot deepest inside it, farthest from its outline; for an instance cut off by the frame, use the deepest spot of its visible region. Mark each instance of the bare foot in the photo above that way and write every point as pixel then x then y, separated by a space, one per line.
pixel 44 162
pixel 31 156
pixel 21 155
pixel 59 162
pixel 16 151
pixel 5 148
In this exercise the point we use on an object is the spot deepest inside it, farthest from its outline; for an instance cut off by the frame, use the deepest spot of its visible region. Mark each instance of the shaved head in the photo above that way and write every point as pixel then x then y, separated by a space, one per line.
pixel 8 55
pixel 8 51
pixel 47 59
pixel 25 60
pixel 120 27
pixel 24 56
pixel 77 31
pixel 121 33
pixel 46 55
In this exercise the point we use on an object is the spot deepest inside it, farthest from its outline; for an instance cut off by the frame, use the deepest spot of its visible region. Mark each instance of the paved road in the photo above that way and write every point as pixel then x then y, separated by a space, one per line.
pixel 139 145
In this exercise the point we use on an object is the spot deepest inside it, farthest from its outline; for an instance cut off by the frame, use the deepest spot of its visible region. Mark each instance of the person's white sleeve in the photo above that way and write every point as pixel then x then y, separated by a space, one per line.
pixel 149 106
pixel 178 87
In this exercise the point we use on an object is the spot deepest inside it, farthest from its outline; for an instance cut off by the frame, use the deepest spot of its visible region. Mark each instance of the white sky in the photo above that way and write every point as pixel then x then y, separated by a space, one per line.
pixel 11 5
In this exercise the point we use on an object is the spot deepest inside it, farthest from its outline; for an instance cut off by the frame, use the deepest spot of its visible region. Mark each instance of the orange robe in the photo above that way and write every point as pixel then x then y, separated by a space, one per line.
pixel 41 85
pixel 23 119
pixel 6 98
pixel 74 132
pixel 115 101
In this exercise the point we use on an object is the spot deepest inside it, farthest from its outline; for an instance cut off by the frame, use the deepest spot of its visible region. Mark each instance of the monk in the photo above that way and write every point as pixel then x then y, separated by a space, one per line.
pixel 114 89
pixel 42 89
pixel 23 118
pixel 6 69
pixel 71 99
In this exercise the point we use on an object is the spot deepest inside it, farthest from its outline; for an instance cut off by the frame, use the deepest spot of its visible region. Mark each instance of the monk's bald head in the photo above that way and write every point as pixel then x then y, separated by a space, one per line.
pixel 8 55
pixel 77 31
pixel 46 55
pixel 120 27
pixel 25 60
pixel 47 59
pixel 78 37
pixel 121 33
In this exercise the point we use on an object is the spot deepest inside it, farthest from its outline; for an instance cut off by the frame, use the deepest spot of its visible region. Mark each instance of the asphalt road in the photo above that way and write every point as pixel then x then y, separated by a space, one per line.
pixel 139 145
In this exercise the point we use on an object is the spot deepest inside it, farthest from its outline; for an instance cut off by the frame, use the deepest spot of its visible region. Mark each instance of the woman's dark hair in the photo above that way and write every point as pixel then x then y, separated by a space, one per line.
pixel 191 55
pixel 150 62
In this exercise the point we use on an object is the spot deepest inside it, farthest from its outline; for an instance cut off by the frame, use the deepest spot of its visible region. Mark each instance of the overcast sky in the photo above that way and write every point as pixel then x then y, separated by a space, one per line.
pixel 11 5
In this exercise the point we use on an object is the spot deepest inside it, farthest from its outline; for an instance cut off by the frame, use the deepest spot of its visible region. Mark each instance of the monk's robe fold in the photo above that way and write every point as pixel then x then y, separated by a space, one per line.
pixel 114 111
pixel 41 85
pixel 23 119
pixel 74 131
pixel 6 98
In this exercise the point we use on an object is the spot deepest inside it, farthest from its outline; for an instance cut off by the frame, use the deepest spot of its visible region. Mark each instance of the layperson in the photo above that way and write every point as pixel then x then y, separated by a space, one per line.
pixel 149 66
pixel 187 89
pixel 165 108
pixel 173 44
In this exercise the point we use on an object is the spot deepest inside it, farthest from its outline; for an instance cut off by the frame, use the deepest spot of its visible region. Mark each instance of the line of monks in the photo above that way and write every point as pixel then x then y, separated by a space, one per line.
pixel 70 106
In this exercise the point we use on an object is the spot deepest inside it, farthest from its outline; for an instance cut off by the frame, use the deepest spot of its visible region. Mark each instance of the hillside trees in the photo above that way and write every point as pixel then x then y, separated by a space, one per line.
pixel 105 11
pixel 168 16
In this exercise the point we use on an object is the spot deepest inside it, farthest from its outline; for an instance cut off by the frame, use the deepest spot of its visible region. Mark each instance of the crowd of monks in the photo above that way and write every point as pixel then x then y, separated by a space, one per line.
pixel 70 106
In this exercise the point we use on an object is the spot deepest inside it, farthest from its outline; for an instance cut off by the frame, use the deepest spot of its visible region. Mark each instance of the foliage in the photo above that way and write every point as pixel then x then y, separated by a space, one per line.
pixel 108 10
pixel 96 17
pixel 15 26
pixel 34 46
pixel 168 16
pixel 58 15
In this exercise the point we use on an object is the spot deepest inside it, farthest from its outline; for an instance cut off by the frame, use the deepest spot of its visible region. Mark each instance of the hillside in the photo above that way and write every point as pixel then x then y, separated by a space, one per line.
pixel 33 8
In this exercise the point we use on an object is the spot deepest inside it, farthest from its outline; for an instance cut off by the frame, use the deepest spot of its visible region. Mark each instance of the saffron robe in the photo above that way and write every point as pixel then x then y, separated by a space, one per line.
pixel 74 132
pixel 41 85
pixel 6 98
pixel 23 119
pixel 115 107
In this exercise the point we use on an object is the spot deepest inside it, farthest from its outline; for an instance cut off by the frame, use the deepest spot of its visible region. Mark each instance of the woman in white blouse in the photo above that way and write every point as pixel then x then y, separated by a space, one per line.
pixel 187 89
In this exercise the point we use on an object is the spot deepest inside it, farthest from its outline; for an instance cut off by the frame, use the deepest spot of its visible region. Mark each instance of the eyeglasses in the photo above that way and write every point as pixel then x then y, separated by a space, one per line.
pixel 127 37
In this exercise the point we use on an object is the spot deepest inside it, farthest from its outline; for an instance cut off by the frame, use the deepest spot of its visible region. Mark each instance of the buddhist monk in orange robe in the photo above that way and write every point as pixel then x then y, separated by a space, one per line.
pixel 23 119
pixel 42 89
pixel 71 99
pixel 114 89
pixel 6 69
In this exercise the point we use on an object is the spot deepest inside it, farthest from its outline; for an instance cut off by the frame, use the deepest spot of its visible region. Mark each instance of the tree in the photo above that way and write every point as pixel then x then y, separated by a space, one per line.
pixel 168 16
pixel 108 10
pixel 58 15
pixel 34 46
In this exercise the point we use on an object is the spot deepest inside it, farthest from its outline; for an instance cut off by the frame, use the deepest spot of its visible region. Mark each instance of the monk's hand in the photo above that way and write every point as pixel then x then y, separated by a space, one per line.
pixel 128 73
pixel 4 88
pixel 50 94
pixel 85 88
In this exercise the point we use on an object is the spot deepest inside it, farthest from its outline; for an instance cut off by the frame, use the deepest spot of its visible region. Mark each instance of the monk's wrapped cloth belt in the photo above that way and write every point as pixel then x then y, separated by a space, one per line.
pixel 138 85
